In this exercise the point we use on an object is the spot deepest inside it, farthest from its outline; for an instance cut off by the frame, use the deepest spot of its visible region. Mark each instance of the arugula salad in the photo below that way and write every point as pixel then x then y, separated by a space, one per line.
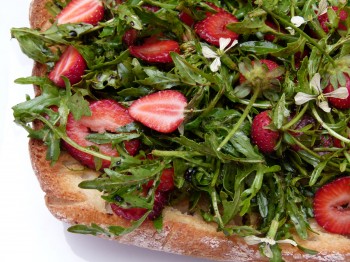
pixel 253 109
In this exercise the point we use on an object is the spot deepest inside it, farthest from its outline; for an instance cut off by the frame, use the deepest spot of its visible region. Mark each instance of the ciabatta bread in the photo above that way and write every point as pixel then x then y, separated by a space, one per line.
pixel 181 234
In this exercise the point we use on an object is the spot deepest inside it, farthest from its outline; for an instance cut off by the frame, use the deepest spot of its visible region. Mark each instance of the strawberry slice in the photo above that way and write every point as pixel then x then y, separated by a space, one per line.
pixel 166 181
pixel 81 11
pixel 71 65
pixel 265 138
pixel 106 115
pixel 324 20
pixel 162 111
pixel 339 102
pixel 332 206
pixel 213 27
pixel 135 213
pixel 155 51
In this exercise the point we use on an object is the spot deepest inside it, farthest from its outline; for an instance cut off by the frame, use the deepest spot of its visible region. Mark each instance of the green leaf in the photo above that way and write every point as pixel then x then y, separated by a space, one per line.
pixel 78 106
pixel 260 47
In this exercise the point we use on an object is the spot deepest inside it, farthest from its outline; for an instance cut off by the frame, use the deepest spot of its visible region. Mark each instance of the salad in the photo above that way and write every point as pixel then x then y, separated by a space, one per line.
pixel 239 107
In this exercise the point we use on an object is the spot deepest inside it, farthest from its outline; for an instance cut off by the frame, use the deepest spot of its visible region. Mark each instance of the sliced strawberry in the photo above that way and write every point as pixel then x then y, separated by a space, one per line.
pixel 106 115
pixel 324 20
pixel 262 136
pixel 166 181
pixel 186 18
pixel 81 11
pixel 213 27
pixel 271 65
pixel 338 102
pixel 332 206
pixel 135 213
pixel 162 111
pixel 155 52
pixel 71 65
pixel 130 36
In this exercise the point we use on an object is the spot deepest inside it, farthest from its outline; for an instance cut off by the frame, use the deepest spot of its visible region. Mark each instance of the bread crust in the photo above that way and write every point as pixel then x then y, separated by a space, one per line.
pixel 181 234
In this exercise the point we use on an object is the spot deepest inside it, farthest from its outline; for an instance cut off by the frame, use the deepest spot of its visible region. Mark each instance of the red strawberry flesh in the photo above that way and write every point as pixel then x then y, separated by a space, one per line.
pixel 213 27
pixel 324 20
pixel 155 51
pixel 135 213
pixel 338 102
pixel 71 65
pixel 265 138
pixel 81 11
pixel 166 181
pixel 332 206
pixel 162 111
pixel 106 115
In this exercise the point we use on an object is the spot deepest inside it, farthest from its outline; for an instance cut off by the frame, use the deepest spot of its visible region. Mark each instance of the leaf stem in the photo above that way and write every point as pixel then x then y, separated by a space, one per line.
pixel 325 126
pixel 295 119
pixel 301 32
pixel 241 119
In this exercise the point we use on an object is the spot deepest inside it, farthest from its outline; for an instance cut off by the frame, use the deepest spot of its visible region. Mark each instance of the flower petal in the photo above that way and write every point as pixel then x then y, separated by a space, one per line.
pixel 215 65
pixel 302 98
pixel 291 30
pixel 324 106
pixel 297 20
pixel 287 241
pixel 253 240
pixel 208 53
pixel 315 83
pixel 341 92
pixel 223 42
pixel 322 7
pixel 235 42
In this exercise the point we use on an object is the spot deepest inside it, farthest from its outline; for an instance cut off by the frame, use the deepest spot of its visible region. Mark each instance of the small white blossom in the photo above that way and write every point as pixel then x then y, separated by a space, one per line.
pixel 254 240
pixel 322 7
pixel 296 21
pixel 224 47
pixel 320 97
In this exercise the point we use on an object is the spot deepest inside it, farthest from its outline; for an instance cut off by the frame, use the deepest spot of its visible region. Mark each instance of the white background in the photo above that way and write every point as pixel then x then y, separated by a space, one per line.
pixel 28 231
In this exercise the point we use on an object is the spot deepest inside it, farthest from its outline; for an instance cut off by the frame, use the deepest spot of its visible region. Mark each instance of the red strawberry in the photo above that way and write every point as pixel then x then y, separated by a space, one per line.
pixel 323 19
pixel 213 27
pixel 155 52
pixel 166 181
pixel 265 138
pixel 332 206
pixel 106 115
pixel 82 11
pixel 271 65
pixel 162 111
pixel 130 36
pixel 186 18
pixel 338 102
pixel 71 65
pixel 135 213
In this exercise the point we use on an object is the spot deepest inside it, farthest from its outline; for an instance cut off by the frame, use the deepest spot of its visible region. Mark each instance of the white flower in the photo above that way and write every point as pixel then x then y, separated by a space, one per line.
pixel 296 21
pixel 254 240
pixel 315 84
pixel 322 7
pixel 209 53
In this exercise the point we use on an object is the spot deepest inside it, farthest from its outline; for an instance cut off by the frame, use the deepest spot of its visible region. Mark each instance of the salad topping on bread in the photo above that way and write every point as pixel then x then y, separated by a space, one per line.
pixel 198 110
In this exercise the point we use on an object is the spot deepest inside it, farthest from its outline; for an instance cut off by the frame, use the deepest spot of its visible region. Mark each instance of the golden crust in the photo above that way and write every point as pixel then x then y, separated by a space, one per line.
pixel 181 234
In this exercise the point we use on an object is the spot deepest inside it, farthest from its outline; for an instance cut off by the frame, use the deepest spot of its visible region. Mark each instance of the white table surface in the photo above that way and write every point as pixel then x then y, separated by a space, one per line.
pixel 28 231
